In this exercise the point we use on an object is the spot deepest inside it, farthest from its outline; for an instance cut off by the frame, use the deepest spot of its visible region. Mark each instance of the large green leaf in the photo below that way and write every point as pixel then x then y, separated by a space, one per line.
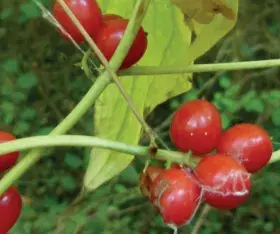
pixel 169 45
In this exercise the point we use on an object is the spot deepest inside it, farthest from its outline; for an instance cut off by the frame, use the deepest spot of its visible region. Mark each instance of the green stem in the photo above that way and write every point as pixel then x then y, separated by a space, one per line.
pixel 146 70
pixel 40 142
pixel 96 142
pixel 89 141
pixel 95 91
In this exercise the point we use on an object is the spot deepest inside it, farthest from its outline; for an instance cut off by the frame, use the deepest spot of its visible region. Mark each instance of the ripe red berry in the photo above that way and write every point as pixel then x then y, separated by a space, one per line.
pixel 225 182
pixel 249 144
pixel 196 126
pixel 110 36
pixel 176 195
pixel 7 160
pixel 10 209
pixel 87 12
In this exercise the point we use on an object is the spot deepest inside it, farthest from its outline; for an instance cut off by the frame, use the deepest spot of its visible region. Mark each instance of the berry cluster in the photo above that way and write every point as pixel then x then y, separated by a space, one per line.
pixel 106 30
pixel 10 201
pixel 221 178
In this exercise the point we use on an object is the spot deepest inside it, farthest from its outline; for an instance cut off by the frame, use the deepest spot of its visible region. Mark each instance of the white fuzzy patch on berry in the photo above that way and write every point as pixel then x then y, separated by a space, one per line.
pixel 236 178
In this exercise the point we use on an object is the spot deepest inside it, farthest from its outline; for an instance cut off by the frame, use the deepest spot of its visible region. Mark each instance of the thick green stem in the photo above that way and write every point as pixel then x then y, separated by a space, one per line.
pixel 38 142
pixel 135 71
pixel 89 141
pixel 95 91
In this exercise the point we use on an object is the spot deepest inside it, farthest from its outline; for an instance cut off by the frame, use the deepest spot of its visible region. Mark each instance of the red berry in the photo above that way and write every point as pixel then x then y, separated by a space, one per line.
pixel 249 144
pixel 7 160
pixel 110 36
pixel 10 209
pixel 196 126
pixel 225 182
pixel 109 17
pixel 176 195
pixel 87 12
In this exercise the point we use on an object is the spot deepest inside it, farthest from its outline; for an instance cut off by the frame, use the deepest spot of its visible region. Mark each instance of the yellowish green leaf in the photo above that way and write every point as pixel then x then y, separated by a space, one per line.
pixel 203 11
pixel 168 39
pixel 209 34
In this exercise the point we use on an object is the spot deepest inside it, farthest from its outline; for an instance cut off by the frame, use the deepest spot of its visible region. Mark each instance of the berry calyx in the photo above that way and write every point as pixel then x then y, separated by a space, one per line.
pixel 250 144
pixel 176 195
pixel 88 14
pixel 10 209
pixel 110 36
pixel 196 126
pixel 225 183
pixel 7 160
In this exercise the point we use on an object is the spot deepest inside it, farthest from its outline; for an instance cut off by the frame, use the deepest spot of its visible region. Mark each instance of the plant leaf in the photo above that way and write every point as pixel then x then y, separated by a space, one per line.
pixel 10 66
pixel 169 45
pixel 203 11
pixel 209 34
pixel 275 116
pixel 168 40
pixel 27 81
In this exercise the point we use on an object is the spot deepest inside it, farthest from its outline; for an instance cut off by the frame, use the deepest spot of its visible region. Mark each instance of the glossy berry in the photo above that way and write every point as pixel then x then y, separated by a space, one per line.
pixel 109 17
pixel 110 36
pixel 196 126
pixel 249 144
pixel 10 209
pixel 87 12
pixel 176 195
pixel 7 160
pixel 147 179
pixel 225 182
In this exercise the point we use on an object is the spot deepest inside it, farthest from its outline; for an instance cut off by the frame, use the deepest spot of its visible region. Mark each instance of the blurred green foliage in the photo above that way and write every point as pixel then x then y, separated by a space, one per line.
pixel 39 86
